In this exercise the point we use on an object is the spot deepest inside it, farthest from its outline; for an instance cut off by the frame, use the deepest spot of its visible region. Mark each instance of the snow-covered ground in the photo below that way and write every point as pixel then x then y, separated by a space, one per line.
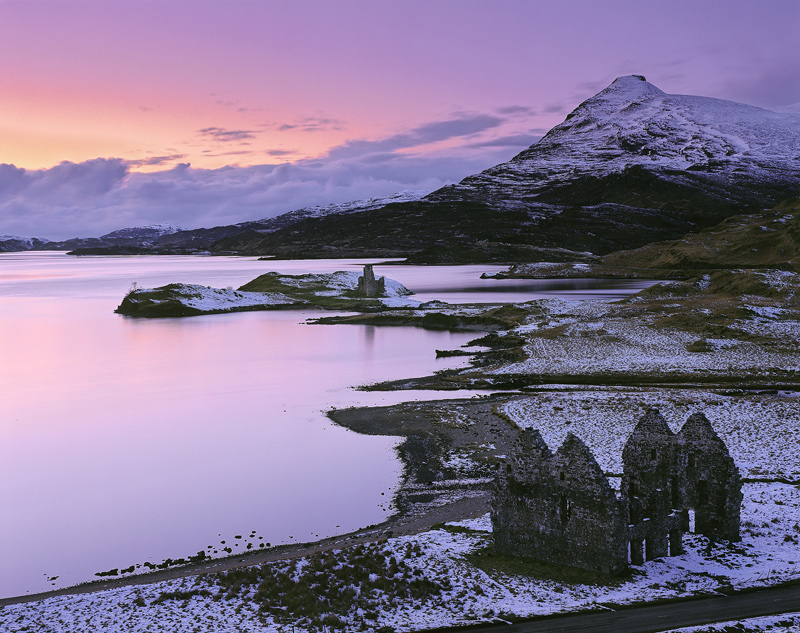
pixel 602 338
pixel 217 299
pixel 768 552
pixel 762 431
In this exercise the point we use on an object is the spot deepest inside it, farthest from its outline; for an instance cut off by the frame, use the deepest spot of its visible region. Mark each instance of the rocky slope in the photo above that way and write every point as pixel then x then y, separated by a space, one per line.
pixel 768 239
pixel 629 166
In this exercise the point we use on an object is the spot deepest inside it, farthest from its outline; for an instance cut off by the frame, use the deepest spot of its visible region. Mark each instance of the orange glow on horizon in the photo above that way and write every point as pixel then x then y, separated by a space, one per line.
pixel 40 128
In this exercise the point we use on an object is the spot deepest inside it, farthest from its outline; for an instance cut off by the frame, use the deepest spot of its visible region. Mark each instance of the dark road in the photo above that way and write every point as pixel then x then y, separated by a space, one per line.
pixel 652 619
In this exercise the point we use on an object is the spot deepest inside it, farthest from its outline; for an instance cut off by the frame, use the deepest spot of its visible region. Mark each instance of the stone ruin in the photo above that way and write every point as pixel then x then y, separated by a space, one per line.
pixel 560 507
pixel 368 286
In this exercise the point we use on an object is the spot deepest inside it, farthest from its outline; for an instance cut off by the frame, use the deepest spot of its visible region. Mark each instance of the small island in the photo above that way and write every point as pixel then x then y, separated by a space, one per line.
pixel 340 290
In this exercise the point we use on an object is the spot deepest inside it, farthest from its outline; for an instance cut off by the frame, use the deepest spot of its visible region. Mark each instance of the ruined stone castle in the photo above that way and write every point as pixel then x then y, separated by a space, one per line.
pixel 560 507
pixel 368 286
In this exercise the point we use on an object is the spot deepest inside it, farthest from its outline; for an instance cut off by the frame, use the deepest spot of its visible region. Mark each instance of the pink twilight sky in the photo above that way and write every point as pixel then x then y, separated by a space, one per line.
pixel 104 104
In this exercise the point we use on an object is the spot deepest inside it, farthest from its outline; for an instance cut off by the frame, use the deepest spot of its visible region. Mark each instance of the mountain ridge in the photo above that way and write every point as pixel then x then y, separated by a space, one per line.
pixel 629 166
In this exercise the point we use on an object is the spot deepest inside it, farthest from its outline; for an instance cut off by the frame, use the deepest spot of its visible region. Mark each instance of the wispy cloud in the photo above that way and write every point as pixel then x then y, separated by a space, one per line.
pixel 556 108
pixel 516 110
pixel 436 131
pixel 309 124
pixel 513 140
pixel 156 160
pixel 227 136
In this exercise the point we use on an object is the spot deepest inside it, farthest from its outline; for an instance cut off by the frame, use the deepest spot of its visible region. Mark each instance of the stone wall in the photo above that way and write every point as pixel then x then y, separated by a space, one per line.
pixel 559 507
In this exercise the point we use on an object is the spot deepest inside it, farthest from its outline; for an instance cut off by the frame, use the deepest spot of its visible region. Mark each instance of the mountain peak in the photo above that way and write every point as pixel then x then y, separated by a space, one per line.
pixel 632 122
pixel 619 95
pixel 631 86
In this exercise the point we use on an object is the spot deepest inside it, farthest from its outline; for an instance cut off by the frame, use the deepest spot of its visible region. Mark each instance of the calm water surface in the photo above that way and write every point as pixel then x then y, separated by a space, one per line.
pixel 125 440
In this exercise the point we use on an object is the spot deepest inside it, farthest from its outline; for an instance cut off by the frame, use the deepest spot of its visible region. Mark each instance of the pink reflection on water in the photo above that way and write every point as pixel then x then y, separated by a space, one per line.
pixel 127 441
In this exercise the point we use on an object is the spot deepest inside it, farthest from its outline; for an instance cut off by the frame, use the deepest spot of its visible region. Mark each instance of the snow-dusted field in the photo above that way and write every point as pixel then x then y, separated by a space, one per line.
pixel 762 431
pixel 769 552
pixel 596 339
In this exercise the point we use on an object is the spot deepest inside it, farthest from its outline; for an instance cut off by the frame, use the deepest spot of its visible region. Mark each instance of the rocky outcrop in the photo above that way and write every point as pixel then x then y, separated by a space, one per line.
pixel 270 291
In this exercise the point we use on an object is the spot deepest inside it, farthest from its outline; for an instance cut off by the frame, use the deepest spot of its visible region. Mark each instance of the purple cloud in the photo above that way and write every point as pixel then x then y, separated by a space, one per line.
pixel 155 160
pixel 516 110
pixel 436 131
pixel 310 124
pixel 226 136
pixel 513 140
pixel 98 196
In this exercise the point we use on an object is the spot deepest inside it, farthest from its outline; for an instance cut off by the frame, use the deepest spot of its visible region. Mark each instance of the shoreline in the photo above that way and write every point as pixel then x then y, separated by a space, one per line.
pixel 468 499
pixel 397 526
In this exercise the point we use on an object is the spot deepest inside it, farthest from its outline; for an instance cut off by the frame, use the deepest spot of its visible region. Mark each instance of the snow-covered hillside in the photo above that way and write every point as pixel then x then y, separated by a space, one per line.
pixel 369 204
pixel 629 166
pixel 633 123
pixel 11 243
pixel 140 235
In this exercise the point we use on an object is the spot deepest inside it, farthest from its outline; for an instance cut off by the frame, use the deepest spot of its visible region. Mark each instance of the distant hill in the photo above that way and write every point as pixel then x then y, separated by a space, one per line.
pixel 14 243
pixel 167 238
pixel 769 239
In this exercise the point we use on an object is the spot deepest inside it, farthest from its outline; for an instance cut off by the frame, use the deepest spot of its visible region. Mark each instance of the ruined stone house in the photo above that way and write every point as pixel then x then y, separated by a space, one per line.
pixel 560 507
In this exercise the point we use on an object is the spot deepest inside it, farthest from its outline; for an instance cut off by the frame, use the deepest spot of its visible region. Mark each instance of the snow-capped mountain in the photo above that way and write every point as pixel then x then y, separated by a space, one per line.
pixel 629 166
pixel 368 204
pixel 632 124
